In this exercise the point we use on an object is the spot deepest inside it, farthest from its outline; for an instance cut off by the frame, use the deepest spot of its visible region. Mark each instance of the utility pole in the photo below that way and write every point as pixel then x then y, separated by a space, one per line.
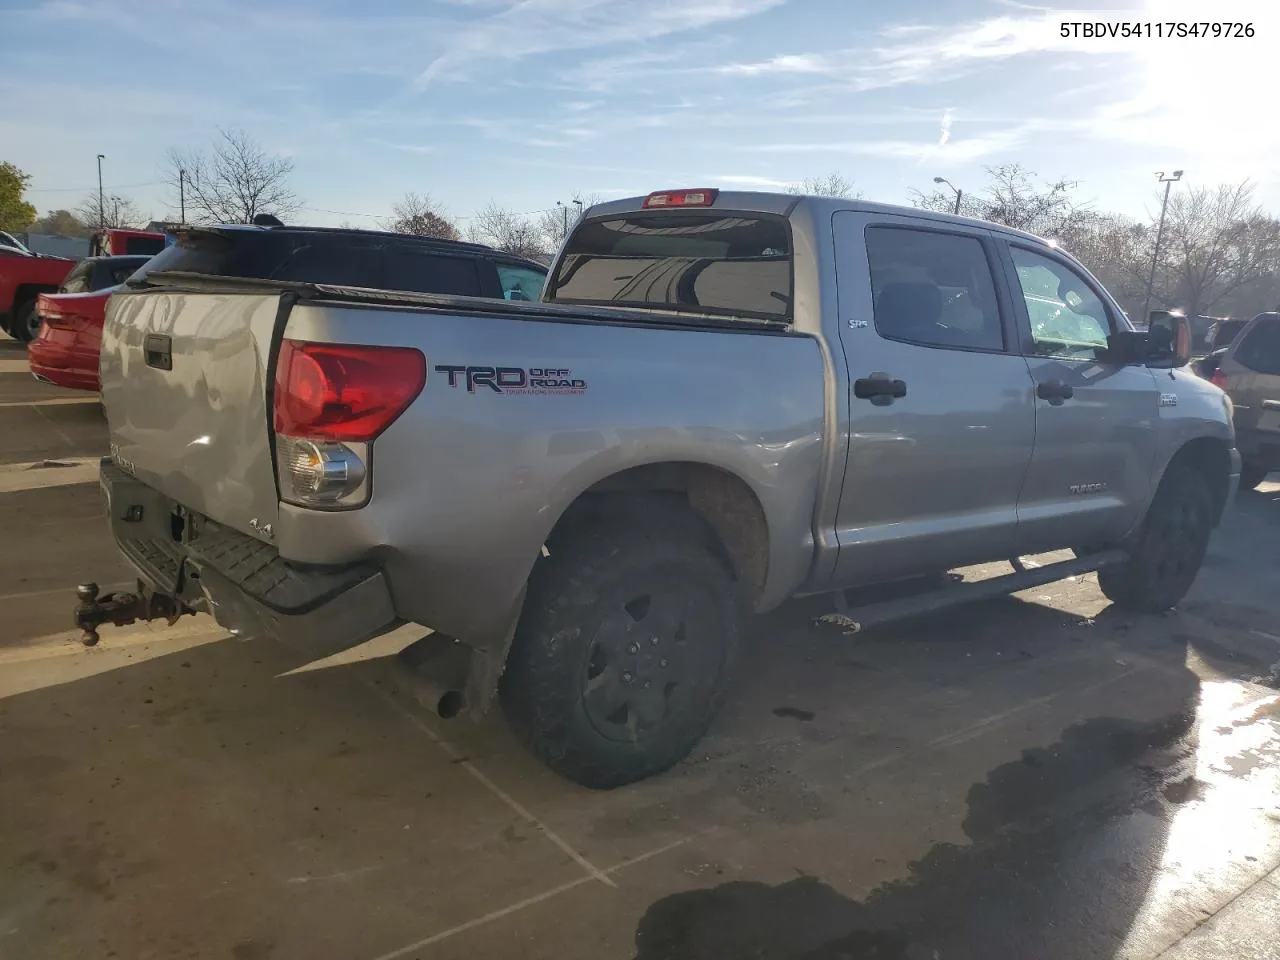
pixel 102 209
pixel 959 192
pixel 580 208
pixel 182 196
pixel 1155 254
pixel 564 209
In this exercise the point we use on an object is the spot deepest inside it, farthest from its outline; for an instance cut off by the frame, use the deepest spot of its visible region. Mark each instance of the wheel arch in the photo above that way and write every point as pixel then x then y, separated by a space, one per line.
pixel 1211 457
pixel 731 508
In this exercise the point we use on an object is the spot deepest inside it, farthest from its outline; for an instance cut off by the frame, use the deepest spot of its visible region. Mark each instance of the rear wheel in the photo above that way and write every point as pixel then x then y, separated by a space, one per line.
pixel 1167 552
pixel 26 322
pixel 623 652
pixel 1251 475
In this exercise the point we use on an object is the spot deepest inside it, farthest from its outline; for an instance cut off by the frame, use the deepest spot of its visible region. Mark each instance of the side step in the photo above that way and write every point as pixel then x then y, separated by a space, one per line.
pixel 858 619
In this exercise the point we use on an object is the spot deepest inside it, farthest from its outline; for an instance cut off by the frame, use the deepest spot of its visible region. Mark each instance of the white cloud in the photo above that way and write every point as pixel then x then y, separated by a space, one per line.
pixel 534 27
pixel 751 181
pixel 787 63
pixel 944 134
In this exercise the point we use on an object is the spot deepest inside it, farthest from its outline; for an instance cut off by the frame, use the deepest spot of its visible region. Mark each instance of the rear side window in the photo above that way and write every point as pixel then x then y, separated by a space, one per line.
pixel 431 273
pixel 709 262
pixel 1260 348
pixel 80 279
pixel 933 289
pixel 318 258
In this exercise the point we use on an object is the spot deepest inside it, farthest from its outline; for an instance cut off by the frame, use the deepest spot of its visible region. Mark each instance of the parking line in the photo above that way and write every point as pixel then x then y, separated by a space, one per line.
pixel 57 472
pixel 527 902
pixel 49 401
pixel 593 872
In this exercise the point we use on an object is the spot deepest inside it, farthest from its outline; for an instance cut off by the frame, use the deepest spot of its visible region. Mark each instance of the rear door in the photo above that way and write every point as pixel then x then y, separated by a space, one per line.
pixel 1252 369
pixel 1096 423
pixel 933 473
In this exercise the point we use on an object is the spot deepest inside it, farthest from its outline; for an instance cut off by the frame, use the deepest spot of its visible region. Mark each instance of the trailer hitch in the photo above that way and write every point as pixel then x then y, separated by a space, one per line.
pixel 121 608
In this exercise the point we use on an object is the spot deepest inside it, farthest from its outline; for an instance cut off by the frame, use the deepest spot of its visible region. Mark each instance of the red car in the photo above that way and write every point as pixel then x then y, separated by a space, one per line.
pixel 65 352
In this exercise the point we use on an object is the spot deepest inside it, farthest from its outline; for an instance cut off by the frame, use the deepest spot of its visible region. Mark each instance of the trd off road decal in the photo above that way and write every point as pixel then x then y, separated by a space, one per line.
pixel 514 380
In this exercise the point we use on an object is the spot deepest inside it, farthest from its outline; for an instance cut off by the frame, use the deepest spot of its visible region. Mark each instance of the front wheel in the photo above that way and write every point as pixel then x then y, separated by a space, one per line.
pixel 623 652
pixel 1166 554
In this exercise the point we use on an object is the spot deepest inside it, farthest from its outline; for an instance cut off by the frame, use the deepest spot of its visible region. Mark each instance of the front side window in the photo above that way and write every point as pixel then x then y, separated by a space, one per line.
pixel 933 289
pixel 708 262
pixel 1068 320
pixel 520 283
pixel 1260 348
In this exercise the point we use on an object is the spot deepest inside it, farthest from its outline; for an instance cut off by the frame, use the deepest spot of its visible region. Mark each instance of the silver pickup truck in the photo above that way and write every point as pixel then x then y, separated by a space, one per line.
pixel 725 400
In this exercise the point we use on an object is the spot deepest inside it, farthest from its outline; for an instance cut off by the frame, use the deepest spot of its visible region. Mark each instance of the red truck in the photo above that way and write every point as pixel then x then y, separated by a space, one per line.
pixel 23 277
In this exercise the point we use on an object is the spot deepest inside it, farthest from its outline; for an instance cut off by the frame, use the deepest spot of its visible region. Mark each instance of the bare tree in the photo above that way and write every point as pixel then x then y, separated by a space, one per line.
pixel 556 222
pixel 117 212
pixel 233 181
pixel 1218 240
pixel 834 184
pixel 507 231
pixel 1012 197
pixel 421 216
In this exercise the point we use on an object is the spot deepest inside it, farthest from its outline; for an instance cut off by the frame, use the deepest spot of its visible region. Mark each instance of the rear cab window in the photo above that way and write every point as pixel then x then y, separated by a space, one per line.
pixel 710 262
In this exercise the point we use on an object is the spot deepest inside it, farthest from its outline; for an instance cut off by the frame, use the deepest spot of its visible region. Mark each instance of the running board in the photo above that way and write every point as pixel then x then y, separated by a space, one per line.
pixel 858 619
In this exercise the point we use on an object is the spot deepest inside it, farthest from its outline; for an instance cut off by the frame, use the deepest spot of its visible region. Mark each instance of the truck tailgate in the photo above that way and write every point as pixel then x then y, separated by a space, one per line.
pixel 185 389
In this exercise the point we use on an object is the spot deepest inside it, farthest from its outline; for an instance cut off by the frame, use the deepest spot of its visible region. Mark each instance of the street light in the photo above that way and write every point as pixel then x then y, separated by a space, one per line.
pixel 959 192
pixel 579 203
pixel 1168 182
pixel 102 210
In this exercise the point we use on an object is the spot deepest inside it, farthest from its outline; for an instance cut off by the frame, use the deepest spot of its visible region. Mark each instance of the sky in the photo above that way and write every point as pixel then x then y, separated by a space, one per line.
pixel 526 102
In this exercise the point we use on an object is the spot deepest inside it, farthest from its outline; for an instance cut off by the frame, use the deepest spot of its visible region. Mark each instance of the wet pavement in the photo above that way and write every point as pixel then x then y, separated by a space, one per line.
pixel 1037 777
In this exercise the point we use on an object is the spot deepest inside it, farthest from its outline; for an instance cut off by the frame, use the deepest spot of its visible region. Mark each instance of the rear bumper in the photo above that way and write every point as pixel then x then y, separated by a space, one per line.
pixel 54 363
pixel 243 582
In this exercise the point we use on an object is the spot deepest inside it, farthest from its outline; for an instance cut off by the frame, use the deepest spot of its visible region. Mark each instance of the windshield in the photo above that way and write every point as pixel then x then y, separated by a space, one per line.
pixel 78 280
pixel 710 262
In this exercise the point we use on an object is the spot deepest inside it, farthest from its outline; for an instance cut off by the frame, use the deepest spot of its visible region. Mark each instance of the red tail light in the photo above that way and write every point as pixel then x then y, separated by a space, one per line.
pixel 344 392
pixel 1218 379
pixel 680 198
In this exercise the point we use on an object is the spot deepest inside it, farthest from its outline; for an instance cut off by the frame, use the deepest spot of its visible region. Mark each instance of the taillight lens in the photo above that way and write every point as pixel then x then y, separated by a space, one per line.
pixel 343 392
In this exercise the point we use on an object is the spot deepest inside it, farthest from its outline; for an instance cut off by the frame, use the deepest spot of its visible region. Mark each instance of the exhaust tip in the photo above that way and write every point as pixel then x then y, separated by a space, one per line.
pixel 449 705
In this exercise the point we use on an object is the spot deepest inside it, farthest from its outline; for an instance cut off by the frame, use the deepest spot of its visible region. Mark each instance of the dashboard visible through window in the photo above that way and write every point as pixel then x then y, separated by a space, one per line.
pixel 1068 320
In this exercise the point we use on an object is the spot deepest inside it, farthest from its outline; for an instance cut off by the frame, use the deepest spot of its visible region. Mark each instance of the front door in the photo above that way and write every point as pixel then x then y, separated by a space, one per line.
pixel 941 411
pixel 1096 423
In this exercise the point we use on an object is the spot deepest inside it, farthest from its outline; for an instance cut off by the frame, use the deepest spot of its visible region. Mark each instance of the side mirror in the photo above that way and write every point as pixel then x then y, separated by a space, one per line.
pixel 1168 340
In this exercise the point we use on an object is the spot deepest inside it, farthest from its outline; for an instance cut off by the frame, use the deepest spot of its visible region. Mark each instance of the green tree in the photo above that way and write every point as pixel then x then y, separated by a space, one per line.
pixel 60 223
pixel 15 213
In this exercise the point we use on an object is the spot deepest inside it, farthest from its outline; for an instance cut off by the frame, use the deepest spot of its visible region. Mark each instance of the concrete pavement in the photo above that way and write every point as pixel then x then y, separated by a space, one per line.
pixel 1037 777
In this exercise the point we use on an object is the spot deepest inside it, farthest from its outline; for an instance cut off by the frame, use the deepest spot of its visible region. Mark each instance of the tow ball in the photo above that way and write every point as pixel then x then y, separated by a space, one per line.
pixel 121 608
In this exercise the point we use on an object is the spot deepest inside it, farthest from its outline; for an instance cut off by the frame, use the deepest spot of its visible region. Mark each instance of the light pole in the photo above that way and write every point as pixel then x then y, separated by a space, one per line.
pixel 959 192
pixel 1168 182
pixel 102 210
pixel 565 210
pixel 579 203
pixel 182 196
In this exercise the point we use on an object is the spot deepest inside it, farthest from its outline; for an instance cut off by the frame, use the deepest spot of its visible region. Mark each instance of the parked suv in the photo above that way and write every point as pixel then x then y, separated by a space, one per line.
pixel 352 258
pixel 1250 374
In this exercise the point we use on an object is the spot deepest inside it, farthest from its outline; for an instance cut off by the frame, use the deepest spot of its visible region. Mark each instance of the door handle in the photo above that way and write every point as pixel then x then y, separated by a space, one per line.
pixel 1055 391
pixel 880 389
pixel 157 349
pixel 1271 404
